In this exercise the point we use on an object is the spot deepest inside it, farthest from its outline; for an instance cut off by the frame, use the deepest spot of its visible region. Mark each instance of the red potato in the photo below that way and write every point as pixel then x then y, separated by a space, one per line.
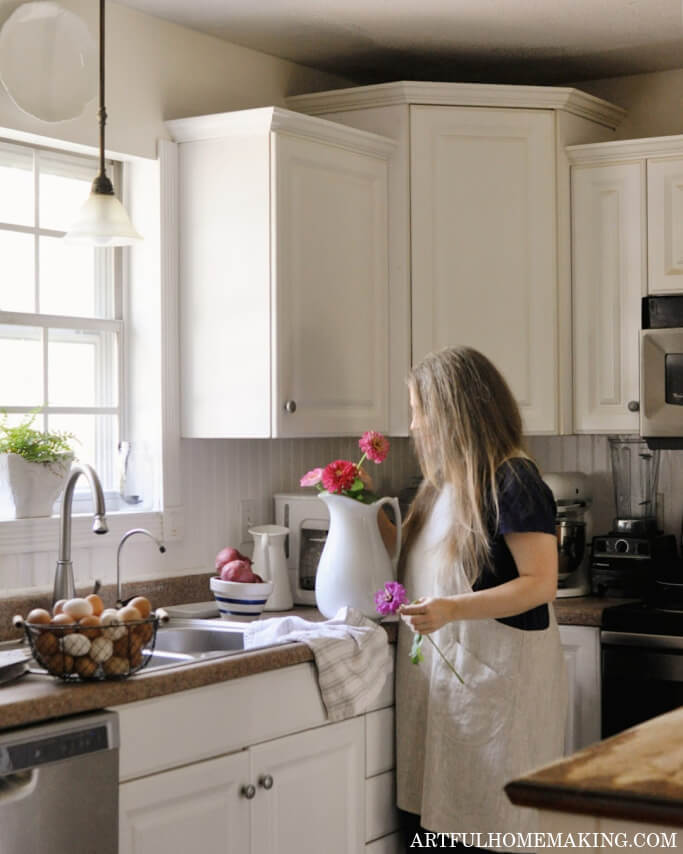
pixel 237 570
pixel 227 555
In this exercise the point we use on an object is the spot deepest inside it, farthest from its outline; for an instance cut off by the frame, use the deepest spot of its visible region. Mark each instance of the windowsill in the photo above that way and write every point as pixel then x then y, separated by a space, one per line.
pixel 21 536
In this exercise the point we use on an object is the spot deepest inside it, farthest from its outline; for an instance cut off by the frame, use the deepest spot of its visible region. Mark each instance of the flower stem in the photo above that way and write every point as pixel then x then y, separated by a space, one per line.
pixel 362 460
pixel 429 638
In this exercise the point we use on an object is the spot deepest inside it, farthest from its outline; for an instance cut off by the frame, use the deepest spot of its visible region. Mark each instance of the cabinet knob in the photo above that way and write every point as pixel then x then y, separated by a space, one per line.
pixel 290 406
pixel 266 781
pixel 633 405
pixel 248 791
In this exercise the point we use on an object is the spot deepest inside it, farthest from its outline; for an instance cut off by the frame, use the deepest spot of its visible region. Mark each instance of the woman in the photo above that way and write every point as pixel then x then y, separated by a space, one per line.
pixel 480 556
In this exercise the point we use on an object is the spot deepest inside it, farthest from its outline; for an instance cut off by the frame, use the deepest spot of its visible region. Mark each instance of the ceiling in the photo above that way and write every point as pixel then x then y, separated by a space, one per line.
pixel 496 41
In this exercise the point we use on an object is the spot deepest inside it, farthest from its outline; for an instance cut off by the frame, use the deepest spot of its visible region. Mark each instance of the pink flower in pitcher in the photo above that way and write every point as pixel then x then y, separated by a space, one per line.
pixel 374 445
pixel 339 475
pixel 390 598
pixel 312 477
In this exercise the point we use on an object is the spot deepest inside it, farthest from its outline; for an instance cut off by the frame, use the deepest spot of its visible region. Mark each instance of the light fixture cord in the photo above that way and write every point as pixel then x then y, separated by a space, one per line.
pixel 102 184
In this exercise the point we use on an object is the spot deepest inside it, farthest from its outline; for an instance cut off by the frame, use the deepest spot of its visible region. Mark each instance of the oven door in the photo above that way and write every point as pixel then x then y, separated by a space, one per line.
pixel 642 677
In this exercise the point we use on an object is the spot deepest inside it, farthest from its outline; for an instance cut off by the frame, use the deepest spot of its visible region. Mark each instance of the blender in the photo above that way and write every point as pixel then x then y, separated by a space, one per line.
pixel 623 561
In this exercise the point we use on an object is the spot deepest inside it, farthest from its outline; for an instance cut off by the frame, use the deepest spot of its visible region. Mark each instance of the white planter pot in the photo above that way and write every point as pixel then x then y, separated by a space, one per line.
pixel 32 488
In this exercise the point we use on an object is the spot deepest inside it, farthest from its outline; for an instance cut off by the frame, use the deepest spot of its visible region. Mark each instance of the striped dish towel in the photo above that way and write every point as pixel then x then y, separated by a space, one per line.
pixel 351 654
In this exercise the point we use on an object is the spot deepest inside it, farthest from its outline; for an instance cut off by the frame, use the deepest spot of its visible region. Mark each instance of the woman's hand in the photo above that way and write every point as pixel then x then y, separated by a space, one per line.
pixel 426 615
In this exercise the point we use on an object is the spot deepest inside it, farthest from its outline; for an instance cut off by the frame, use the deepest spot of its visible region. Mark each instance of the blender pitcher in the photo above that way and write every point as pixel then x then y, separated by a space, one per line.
pixel 270 563
pixel 635 469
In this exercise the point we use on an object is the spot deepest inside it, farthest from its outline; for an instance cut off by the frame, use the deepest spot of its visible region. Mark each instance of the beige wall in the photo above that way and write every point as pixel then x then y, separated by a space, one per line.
pixel 157 70
pixel 654 101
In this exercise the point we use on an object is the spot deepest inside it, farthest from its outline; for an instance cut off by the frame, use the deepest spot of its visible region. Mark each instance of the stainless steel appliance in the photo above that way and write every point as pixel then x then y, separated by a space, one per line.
pixel 661 371
pixel 624 560
pixel 308 521
pixel 59 786
pixel 642 664
pixel 574 528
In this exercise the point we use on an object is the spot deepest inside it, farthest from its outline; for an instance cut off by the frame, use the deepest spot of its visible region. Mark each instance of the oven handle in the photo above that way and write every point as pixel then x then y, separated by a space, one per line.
pixel 642 640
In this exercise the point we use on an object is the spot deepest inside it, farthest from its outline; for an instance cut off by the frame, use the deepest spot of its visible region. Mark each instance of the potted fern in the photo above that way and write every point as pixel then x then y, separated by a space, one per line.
pixel 34 466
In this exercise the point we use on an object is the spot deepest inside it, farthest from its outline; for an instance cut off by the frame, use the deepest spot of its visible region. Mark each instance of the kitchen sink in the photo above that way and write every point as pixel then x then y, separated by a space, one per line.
pixel 193 639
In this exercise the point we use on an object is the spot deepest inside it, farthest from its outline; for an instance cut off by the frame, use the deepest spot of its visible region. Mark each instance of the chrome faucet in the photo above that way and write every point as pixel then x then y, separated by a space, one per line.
pixel 64 574
pixel 127 535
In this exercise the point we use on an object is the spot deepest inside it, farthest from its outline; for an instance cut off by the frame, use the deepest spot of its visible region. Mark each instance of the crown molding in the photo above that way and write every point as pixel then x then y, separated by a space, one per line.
pixel 461 95
pixel 630 149
pixel 266 119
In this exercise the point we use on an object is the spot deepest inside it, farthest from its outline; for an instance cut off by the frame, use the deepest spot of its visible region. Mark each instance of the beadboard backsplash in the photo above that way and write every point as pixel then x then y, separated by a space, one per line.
pixel 219 474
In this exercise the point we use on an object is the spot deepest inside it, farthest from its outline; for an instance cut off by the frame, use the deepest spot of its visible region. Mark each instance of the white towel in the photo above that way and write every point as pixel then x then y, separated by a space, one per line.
pixel 351 653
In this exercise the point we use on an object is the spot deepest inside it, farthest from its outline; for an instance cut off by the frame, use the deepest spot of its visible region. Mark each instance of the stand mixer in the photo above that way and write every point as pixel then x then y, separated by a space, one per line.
pixel 574 527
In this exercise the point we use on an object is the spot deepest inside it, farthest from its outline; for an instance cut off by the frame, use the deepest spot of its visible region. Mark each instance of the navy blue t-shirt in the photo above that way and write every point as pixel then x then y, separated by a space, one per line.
pixel 526 504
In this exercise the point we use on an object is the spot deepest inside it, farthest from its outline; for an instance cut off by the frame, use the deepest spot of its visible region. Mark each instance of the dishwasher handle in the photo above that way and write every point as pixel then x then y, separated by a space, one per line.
pixel 18 785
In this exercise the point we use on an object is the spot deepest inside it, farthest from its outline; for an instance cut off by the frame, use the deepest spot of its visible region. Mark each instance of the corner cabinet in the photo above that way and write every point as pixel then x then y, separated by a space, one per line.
pixel 283 276
pixel 627 221
pixel 479 232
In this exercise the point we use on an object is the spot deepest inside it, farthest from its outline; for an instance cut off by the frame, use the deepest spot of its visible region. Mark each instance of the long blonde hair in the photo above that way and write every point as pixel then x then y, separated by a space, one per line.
pixel 469 424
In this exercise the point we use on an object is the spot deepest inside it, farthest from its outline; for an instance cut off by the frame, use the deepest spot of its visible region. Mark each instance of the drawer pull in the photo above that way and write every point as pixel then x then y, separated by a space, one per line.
pixel 248 791
pixel 266 781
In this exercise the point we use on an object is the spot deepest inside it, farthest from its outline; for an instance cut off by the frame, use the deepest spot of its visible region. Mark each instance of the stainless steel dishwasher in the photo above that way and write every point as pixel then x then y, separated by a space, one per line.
pixel 59 787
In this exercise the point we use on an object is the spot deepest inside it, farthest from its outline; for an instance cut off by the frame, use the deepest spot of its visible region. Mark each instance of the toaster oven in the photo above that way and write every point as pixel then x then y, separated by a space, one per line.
pixel 308 521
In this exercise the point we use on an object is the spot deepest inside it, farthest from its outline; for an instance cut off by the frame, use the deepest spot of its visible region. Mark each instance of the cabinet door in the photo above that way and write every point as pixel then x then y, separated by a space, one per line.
pixel 483 243
pixel 196 807
pixel 581 646
pixel 608 276
pixel 316 802
pixel 665 225
pixel 331 290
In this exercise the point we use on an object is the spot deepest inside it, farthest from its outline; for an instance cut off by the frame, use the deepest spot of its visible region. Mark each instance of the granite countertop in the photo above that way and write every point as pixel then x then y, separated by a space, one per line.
pixel 636 775
pixel 34 698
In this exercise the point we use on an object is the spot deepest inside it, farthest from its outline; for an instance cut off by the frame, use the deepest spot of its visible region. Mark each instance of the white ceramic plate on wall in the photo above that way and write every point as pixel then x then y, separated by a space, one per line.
pixel 48 61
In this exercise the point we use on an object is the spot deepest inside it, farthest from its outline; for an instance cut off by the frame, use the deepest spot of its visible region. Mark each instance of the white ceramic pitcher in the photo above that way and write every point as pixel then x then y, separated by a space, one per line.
pixel 354 564
pixel 270 563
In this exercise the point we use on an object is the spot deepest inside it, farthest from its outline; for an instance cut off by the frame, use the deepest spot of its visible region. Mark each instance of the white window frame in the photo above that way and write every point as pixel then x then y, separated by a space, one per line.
pixel 22 536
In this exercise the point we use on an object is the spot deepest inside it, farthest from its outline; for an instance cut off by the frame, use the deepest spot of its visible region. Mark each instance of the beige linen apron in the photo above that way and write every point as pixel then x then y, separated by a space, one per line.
pixel 457 745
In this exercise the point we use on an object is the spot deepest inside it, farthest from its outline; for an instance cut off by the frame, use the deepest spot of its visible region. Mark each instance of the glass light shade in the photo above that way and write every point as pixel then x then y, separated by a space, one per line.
pixel 102 221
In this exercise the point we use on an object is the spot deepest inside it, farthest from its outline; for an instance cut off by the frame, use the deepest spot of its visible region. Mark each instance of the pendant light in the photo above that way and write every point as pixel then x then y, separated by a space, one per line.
pixel 102 221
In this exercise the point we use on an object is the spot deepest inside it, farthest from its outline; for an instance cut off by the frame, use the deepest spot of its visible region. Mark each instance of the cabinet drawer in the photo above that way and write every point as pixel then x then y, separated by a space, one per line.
pixel 381 816
pixel 379 742
pixel 390 844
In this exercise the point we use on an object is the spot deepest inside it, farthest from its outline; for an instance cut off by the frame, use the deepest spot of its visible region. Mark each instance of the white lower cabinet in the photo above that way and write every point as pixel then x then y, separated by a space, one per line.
pixel 581 646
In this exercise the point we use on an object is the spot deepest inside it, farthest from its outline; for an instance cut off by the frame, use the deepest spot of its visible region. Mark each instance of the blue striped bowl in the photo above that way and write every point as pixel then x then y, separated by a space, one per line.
pixel 240 598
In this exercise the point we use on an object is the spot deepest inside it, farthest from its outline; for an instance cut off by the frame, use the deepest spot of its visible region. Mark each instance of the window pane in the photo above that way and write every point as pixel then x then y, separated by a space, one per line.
pixel 17 280
pixel 21 366
pixel 97 443
pixel 16 185
pixel 82 368
pixel 64 186
pixel 76 280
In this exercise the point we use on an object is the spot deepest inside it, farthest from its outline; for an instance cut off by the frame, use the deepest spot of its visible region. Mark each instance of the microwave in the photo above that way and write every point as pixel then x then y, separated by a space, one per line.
pixel 661 371
pixel 308 520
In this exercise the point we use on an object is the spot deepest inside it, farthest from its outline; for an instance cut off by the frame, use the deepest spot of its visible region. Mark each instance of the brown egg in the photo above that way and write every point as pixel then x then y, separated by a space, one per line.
pixel 46 644
pixel 135 645
pixel 136 659
pixel 142 604
pixel 85 666
pixel 38 617
pixel 121 647
pixel 129 614
pixel 90 627
pixel 60 664
pixel 146 632
pixel 116 666
pixel 96 602
pixel 64 622
pixel 58 607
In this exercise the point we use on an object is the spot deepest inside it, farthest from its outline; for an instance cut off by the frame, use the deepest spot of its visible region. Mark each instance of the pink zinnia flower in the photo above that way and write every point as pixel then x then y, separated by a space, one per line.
pixel 390 598
pixel 374 445
pixel 339 475
pixel 311 478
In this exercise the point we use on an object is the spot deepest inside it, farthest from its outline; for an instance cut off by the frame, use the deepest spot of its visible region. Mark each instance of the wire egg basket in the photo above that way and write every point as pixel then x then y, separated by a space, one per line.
pixel 77 653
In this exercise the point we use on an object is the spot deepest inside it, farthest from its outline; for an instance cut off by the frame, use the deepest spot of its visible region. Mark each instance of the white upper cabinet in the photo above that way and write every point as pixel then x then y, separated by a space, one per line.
pixel 483 244
pixel 665 225
pixel 283 276
pixel 479 227
pixel 608 265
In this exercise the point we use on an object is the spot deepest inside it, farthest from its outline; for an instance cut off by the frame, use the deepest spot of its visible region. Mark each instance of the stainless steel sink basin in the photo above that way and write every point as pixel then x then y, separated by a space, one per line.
pixel 194 639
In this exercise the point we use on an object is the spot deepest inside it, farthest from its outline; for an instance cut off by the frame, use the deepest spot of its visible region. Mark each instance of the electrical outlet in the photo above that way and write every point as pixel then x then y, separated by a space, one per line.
pixel 248 510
